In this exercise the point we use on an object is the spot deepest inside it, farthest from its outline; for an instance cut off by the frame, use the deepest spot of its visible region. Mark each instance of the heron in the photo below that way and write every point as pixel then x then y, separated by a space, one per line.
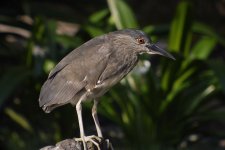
pixel 90 70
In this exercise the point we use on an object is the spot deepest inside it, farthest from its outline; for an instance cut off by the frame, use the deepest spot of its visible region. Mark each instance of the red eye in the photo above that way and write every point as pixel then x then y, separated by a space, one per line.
pixel 140 40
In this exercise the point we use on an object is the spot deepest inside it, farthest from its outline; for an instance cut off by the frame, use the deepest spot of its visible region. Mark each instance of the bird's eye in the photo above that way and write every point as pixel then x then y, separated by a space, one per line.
pixel 140 40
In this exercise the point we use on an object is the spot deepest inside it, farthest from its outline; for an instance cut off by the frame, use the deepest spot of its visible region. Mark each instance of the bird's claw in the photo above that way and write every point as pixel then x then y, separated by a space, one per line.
pixel 91 139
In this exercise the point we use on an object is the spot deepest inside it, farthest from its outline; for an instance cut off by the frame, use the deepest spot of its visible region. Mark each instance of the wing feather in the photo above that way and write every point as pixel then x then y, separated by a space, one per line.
pixel 79 69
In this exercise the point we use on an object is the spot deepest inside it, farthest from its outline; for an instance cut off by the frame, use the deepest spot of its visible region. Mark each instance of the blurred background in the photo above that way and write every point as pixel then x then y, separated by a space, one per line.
pixel 162 105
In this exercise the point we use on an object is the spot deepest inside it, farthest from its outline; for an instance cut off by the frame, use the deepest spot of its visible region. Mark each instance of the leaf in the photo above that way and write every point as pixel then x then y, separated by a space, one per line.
pixel 93 31
pixel 48 65
pixel 199 98
pixel 178 86
pixel 69 42
pixel 157 30
pixel 19 119
pixel 180 27
pixel 203 48
pixel 122 14
pixel 98 16
pixel 207 30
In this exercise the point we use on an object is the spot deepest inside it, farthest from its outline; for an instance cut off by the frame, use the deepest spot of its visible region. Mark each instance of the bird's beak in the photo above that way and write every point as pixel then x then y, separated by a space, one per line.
pixel 153 49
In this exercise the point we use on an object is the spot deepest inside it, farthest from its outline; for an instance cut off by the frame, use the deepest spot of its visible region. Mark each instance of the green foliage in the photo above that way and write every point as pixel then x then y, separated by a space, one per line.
pixel 122 15
pixel 159 108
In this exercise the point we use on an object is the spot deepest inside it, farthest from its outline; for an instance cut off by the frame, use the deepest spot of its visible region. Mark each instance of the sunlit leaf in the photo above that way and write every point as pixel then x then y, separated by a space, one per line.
pixel 180 27
pixel 97 16
pixel 203 48
pixel 93 31
pixel 200 97
pixel 69 42
pixel 178 86
pixel 48 65
pixel 19 119
pixel 122 14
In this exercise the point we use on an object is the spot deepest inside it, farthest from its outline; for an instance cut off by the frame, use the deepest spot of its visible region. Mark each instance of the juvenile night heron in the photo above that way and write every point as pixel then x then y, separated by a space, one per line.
pixel 92 69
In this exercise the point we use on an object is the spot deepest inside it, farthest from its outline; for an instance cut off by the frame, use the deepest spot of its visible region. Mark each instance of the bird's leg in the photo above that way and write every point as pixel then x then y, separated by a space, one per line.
pixel 80 121
pixel 84 138
pixel 95 117
pixel 97 124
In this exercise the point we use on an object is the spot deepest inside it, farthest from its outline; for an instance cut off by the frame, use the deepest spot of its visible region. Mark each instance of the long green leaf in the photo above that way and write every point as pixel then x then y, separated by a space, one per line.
pixel 178 86
pixel 93 31
pixel 203 48
pixel 122 14
pixel 180 27
pixel 200 97
pixel 98 16
pixel 19 119
pixel 207 30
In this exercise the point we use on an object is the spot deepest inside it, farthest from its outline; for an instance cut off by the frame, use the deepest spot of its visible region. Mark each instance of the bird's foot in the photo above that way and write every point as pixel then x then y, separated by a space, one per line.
pixel 109 145
pixel 91 139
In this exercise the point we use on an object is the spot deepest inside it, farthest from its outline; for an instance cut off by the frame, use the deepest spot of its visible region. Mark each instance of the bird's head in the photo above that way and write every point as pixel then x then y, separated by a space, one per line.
pixel 139 42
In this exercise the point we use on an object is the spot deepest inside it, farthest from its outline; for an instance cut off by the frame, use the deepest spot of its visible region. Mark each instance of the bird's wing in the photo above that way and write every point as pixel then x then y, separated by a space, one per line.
pixel 87 49
pixel 81 68
pixel 116 69
pixel 59 88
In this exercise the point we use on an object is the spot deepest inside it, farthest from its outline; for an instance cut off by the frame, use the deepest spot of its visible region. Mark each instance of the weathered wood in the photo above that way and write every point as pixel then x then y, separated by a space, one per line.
pixel 73 144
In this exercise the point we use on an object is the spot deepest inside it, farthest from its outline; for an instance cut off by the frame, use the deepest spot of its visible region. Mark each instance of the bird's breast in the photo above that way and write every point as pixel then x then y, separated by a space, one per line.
pixel 100 89
pixel 103 86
